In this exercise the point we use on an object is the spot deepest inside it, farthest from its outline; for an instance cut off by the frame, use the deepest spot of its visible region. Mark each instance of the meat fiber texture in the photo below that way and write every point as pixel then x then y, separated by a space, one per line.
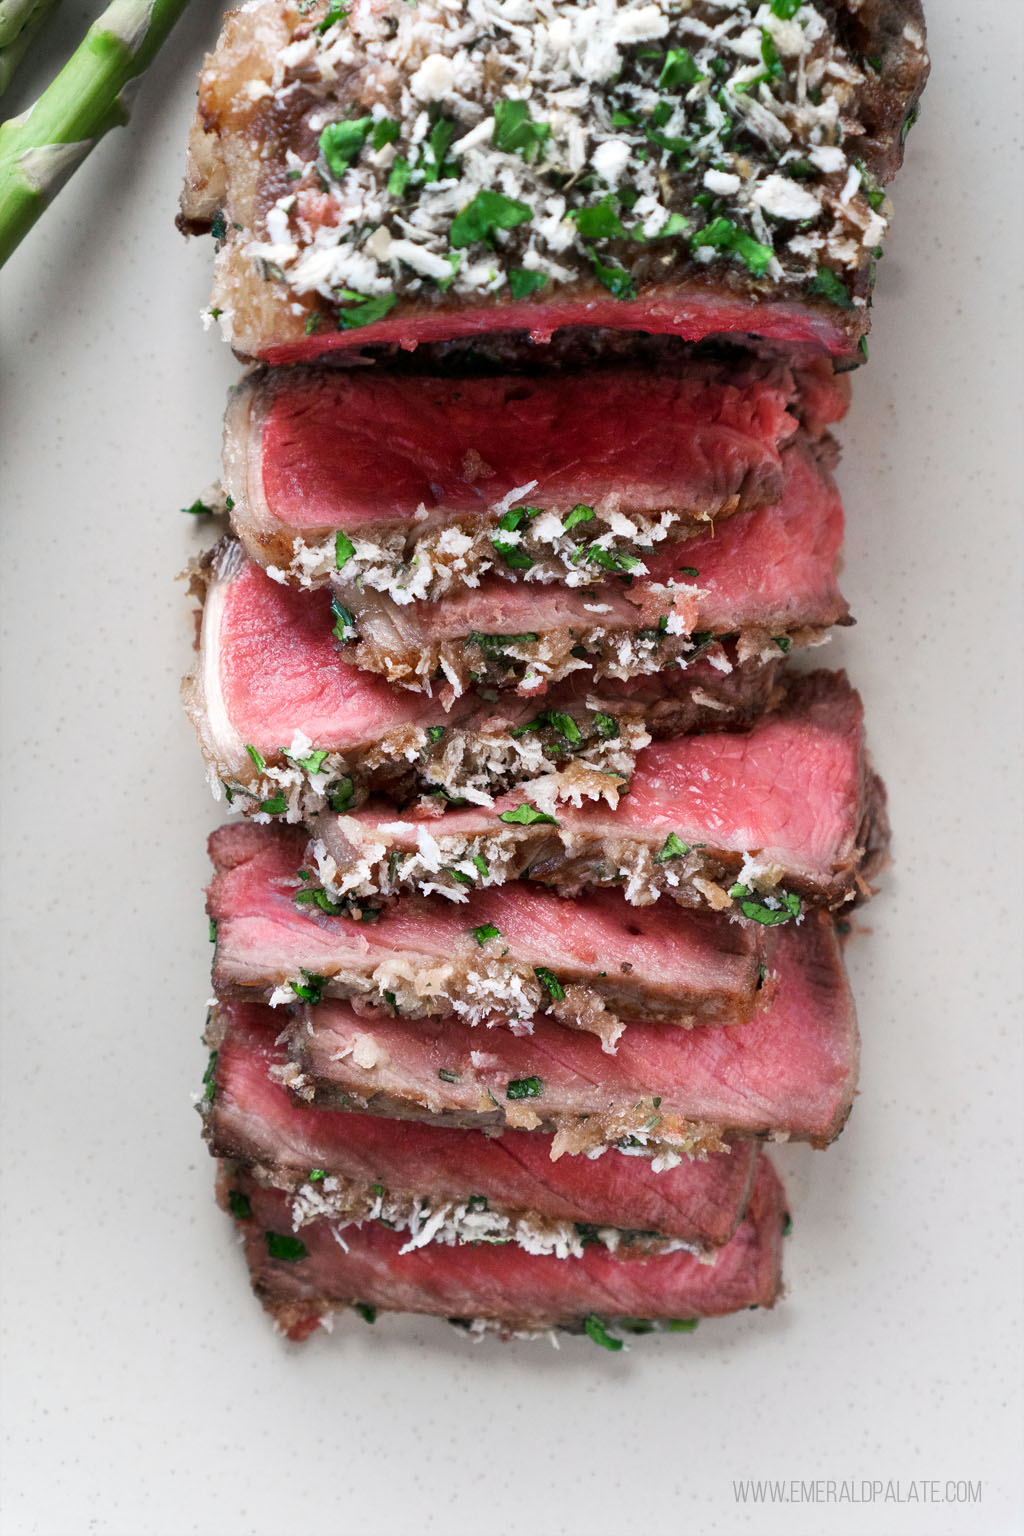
pixel 695 172
pixel 302 1280
pixel 289 726
pixel 481 473
pixel 789 1073
pixel 437 1182
pixel 753 588
pixel 729 821
pixel 509 953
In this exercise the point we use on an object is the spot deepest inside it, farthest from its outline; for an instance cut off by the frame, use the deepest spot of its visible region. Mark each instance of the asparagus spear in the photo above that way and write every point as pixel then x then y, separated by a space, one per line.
pixel 20 20
pixel 40 149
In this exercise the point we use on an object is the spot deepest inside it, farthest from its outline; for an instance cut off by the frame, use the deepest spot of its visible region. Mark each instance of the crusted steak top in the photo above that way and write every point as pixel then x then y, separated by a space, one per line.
pixel 364 167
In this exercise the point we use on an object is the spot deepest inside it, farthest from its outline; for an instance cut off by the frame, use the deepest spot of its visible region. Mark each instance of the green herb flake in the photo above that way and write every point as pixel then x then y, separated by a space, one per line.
pixel 344 622
pixel 213 930
pixel 448 1076
pixel 679 68
pixel 340 797
pixel 597 1331
pixel 566 727
pixel 787 1224
pixel 317 1175
pixel 259 761
pixel 514 557
pixel 219 228
pixel 477 1203
pixel 344 549
pixel 783 642
pixel 312 989
pixel 401 170
pixel 681 1324
pixel 550 982
pixel 527 816
pixel 609 559
pixel 276 805
pixel 484 932
pixel 239 1205
pixel 385 131
pixel 335 14
pixel 369 311
pixel 616 279
pixel 606 726
pixel 599 221
pixel 340 143
pixel 313 320
pixel 366 1312
pixel 723 235
pixel 198 509
pixel 826 285
pixel 579 514
pixel 434 733
pixel 522 283
pixel 434 162
pixel 770 55
pixel 515 132
pixel 484 216
pixel 392 1002
pixel 672 848
pixel 862 348
pixel 311 764
pixel 493 645
pixel 688 570
pixel 770 917
pixel 524 1088
pixel 786 9
pixel 480 865
pixel 281 1245
pixel 209 1083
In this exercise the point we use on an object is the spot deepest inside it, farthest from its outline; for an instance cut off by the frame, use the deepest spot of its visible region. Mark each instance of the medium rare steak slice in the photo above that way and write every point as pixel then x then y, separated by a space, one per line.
pixel 626 456
pixel 302 1279
pixel 788 813
pixel 791 1072
pixel 407 174
pixel 288 726
pixel 442 1184
pixel 753 588
pixel 507 954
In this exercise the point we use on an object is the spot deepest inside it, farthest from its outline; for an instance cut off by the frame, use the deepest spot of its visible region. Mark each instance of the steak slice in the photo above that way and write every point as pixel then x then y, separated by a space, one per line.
pixel 438 1183
pixel 696 171
pixel 288 726
pixel 626 456
pixel 301 1280
pixel 508 953
pixel 791 1072
pixel 751 589
pixel 789 807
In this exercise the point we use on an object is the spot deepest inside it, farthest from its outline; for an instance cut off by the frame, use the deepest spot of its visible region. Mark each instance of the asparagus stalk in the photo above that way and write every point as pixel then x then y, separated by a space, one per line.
pixel 20 20
pixel 40 149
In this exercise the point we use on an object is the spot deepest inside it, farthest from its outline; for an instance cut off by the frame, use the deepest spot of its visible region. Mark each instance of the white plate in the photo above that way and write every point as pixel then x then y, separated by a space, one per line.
pixel 143 1390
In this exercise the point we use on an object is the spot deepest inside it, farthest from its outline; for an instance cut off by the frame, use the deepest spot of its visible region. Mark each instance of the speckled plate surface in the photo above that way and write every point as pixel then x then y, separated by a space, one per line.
pixel 143 1392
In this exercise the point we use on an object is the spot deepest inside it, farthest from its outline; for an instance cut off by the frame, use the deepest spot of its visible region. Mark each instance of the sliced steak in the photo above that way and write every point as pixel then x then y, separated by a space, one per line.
pixel 509 953
pixel 791 1072
pixel 288 726
pixel 440 1184
pixel 789 807
pixel 696 172
pixel 302 1279
pixel 763 582
pixel 599 460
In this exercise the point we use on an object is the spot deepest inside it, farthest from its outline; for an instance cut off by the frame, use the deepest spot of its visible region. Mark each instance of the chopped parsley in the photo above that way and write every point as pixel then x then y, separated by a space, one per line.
pixel 239 1205
pixel 688 570
pixel 259 761
pixel 401 170
pixel 826 285
pixel 681 1324
pixel 208 1077
pixel 385 131
pixel 524 1088
pixel 484 932
pixel 477 1203
pixel 344 622
pixel 787 1224
pixel 522 283
pixel 599 221
pixel 392 1002
pixel 281 1245
pixel 783 642
pixel 515 131
pixel 480 865
pixel 434 733
pixel 340 797
pixel 679 68
pixel 219 227
pixel 276 805
pixel 198 509
pixel 366 1312
pixel 213 930
pixel 514 557
pixel 606 726
pixel 751 906
pixel 616 279
pixel 341 143
pixel 550 982
pixel 335 14
pixel 672 848
pixel 493 645
pixel 770 55
pixel 312 989
pixel 344 549
pixel 579 514
pixel 597 1331
pixel 313 763
pixel 786 9
pixel 317 1175
pixel 723 235
pixel 484 216
pixel 527 816
pixel 607 559
pixel 369 309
